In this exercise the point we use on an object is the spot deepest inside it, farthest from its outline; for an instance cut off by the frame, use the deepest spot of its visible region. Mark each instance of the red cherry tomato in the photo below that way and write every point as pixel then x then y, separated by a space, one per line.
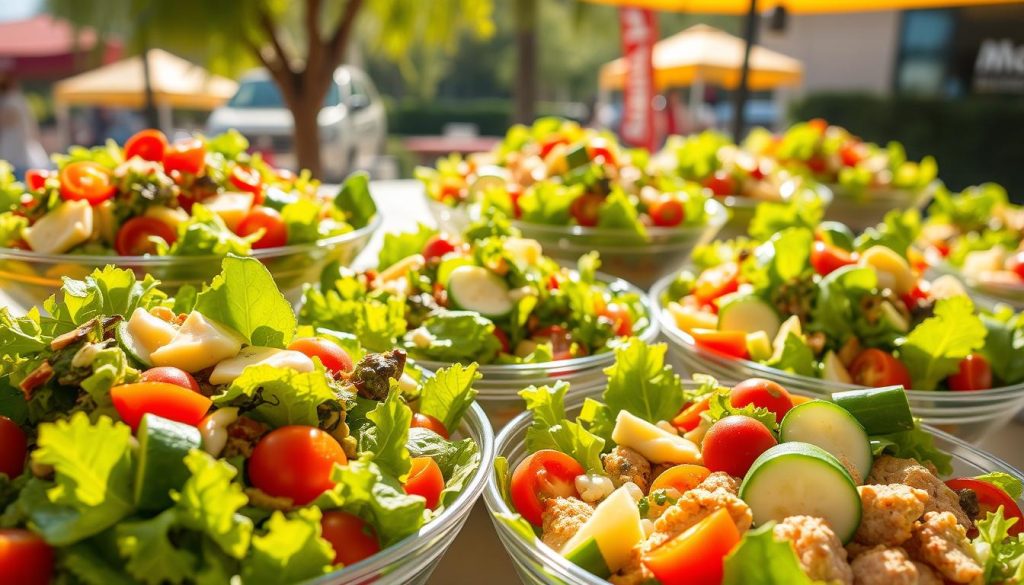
pixel 503 340
pixel 25 558
pixel 332 356
pixel 149 144
pixel 875 368
pixel 35 179
pixel 733 443
pixel 170 401
pixel 425 480
pixel 186 156
pixel 819 124
pixel 451 189
pixel 584 209
pixel 990 497
pixel 13 448
pixel 721 183
pixel 975 373
pixel 86 181
pixel 600 151
pixel 817 164
pixel 171 375
pixel 352 539
pixel 716 282
pixel 275 232
pixel 667 211
pixel 295 462
pixel 621 320
pixel 133 237
pixel 826 259
pixel 550 141
pixel 1016 263
pixel 689 418
pixel 560 338
pixel 249 180
pixel 762 394
pixel 850 154
pixel 437 246
pixel 696 556
pixel 543 475
pixel 425 421
pixel 730 343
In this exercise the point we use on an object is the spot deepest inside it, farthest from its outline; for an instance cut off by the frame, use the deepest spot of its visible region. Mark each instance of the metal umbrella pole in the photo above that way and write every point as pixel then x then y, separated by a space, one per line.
pixel 740 97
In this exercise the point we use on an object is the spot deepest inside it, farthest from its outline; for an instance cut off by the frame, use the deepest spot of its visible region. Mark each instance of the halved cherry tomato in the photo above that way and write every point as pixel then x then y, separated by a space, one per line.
pixel 133 237
pixel 171 375
pixel 503 340
pixel 295 462
pixel 826 259
pixel 697 556
pixel 352 539
pixel 689 418
pixel 721 183
pixel 762 394
pixel 425 421
pixel 731 343
pixel 249 180
pixel 716 282
pixel 451 189
pixel 160 398
pixel 35 179
pixel 543 475
pixel 425 479
pixel 149 144
pixel 13 448
pixel 600 151
pixel 1016 263
pixel 850 154
pixel 875 368
pixel 275 232
pixel 332 355
pixel 990 497
pixel 619 315
pixel 86 181
pixel 550 141
pixel 560 338
pixel 437 246
pixel 682 478
pixel 667 211
pixel 186 156
pixel 733 443
pixel 819 124
pixel 585 209
pixel 25 559
pixel 974 373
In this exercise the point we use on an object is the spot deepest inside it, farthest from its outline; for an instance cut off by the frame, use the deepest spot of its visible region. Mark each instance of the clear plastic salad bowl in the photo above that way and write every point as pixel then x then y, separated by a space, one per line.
pixel 639 262
pixel 863 210
pixel 987 293
pixel 499 388
pixel 28 278
pixel 741 209
pixel 968 415
pixel 541 565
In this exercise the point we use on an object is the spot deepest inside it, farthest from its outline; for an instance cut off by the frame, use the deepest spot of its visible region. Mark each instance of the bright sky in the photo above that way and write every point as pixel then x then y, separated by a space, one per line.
pixel 19 9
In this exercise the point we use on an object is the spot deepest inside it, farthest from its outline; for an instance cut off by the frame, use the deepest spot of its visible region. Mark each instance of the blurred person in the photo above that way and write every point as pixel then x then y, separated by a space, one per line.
pixel 19 131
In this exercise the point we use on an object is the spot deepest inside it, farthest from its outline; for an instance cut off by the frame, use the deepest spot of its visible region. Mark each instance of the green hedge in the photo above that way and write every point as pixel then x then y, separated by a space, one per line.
pixel 415 118
pixel 974 140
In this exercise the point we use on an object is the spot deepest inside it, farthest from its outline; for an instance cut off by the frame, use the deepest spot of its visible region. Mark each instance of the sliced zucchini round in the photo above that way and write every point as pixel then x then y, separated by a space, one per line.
pixel 477 289
pixel 832 428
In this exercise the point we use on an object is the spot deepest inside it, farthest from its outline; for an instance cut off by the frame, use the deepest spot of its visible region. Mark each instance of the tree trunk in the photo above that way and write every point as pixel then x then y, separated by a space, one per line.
pixel 306 134
pixel 526 60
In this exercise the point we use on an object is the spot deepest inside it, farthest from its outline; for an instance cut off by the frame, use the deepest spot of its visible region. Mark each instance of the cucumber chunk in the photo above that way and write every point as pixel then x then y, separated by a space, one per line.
pixel 163 445
pixel 588 556
pixel 793 479
pixel 832 428
pixel 477 289
pixel 748 313
pixel 880 410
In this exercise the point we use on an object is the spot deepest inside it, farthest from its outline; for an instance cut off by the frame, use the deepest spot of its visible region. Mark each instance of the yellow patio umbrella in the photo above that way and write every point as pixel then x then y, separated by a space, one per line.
pixel 705 54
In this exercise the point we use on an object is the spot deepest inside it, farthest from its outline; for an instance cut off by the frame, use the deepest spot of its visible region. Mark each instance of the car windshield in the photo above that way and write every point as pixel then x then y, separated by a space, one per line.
pixel 263 93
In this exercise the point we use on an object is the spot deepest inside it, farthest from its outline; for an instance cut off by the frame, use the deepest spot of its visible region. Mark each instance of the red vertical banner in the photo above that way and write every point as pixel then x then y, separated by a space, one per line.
pixel 639 34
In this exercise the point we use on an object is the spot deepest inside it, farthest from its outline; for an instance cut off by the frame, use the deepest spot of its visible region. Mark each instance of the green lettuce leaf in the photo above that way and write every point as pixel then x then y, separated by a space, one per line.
pixel 105 292
pixel 458 460
pixel 399 246
pixel 354 199
pixel 209 502
pixel 618 212
pixel 1004 481
pixel 456 336
pixel 934 349
pixel 771 218
pixel 1002 555
pixel 302 220
pixel 762 559
pixel 279 396
pixel 915 444
pixel 796 357
pixel 21 335
pixel 549 203
pixel 151 556
pixel 290 551
pixel 1004 342
pixel 232 144
pixel 720 406
pixel 11 227
pixel 551 430
pixel 384 440
pixel 449 393
pixel 245 297
pixel 90 568
pixel 376 323
pixel 640 382
pixel 205 234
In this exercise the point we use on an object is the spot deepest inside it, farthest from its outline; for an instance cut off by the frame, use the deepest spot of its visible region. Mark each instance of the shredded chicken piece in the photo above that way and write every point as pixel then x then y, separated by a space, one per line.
pixel 818 549
pixel 883 565
pixel 562 519
pixel 941 541
pixel 626 465
pixel 888 513
pixel 890 470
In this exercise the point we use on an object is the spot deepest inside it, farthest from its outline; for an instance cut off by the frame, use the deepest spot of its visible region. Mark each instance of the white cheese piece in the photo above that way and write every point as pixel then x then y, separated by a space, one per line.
pixel 981 261
pixel 166 215
pixel 655 444
pixel 199 344
pixel 149 332
pixel 104 224
pixel 523 251
pixel 226 371
pixel 60 230
pixel 231 206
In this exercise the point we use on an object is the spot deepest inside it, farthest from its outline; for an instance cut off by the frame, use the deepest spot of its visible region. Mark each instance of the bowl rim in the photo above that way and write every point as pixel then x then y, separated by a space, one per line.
pixel 994 290
pixel 150 260
pixel 475 420
pixel 734 200
pixel 925 192
pixel 683 340
pixel 549 558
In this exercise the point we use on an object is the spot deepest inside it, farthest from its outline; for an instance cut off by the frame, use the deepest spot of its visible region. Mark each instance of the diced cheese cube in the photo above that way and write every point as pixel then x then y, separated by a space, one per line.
pixel 166 215
pixel 199 344
pixel 655 444
pixel 60 230
pixel 149 332
pixel 524 251
pixel 231 206
pixel 104 224
pixel 228 370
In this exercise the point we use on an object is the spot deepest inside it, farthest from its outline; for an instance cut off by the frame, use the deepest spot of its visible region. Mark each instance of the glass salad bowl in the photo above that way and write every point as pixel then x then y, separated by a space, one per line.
pixel 741 209
pixel 541 565
pixel 968 415
pixel 28 278
pixel 639 262
pixel 863 210
pixel 986 293
pixel 499 388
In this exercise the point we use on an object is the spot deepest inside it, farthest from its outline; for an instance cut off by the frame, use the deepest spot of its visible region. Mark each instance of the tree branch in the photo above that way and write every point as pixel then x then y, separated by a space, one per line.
pixel 280 54
pixel 314 53
pixel 336 45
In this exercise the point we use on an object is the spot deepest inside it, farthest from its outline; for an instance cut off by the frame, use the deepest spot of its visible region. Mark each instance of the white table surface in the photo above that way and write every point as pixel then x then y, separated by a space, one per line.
pixel 477 556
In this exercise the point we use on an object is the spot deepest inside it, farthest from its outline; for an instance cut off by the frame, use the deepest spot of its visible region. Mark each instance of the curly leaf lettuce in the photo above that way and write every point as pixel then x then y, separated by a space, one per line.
pixel 934 349
pixel 449 393
pixel 245 297
pixel 402 245
pixel 279 396
pixel 454 336
pixel 384 441
pixel 640 382
pixel 292 550
pixel 551 429
pixel 762 559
